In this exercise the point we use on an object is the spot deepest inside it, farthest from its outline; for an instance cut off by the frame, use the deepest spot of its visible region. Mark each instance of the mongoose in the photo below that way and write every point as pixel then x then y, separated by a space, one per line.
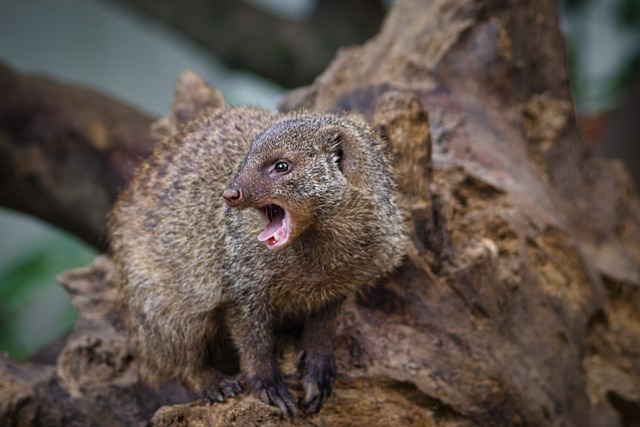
pixel 244 223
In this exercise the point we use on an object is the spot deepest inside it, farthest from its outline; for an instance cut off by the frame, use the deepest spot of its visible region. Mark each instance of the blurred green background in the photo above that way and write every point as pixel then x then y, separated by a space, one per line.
pixel 33 308
pixel 109 48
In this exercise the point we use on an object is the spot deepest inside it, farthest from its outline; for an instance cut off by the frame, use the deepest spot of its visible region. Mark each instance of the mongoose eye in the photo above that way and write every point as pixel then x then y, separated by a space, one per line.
pixel 281 167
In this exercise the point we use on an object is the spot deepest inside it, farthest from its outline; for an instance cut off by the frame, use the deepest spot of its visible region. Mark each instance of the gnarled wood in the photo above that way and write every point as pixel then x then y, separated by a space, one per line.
pixel 66 151
pixel 518 302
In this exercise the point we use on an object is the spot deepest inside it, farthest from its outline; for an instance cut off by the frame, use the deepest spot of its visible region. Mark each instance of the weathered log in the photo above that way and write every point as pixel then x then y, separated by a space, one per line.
pixel 66 151
pixel 518 301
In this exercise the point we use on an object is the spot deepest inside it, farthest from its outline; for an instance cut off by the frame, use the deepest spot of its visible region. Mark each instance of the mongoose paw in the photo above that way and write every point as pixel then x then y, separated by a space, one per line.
pixel 225 388
pixel 318 377
pixel 273 391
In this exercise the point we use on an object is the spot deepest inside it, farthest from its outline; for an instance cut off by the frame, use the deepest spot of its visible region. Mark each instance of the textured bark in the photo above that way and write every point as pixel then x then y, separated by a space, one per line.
pixel 518 301
pixel 66 151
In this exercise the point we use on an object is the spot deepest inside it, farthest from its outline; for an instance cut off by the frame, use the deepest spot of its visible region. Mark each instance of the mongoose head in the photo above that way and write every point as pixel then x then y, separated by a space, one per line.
pixel 295 172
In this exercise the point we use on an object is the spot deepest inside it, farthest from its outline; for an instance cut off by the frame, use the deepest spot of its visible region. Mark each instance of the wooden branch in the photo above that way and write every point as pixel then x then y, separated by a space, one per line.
pixel 65 152
pixel 289 52
pixel 537 297
pixel 518 301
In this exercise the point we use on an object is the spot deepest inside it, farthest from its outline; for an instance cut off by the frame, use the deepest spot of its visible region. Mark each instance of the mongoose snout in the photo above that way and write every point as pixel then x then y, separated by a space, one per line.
pixel 233 197
pixel 275 217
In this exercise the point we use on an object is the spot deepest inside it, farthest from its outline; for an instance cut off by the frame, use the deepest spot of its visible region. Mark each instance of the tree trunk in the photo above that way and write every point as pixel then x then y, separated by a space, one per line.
pixel 518 301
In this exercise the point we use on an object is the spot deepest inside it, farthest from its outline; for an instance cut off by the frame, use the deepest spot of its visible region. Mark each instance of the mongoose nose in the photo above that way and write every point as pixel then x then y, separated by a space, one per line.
pixel 233 196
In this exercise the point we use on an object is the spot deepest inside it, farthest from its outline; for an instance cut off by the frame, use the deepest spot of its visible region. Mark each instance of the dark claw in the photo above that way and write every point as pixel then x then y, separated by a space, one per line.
pixel 229 387
pixel 318 379
pixel 300 361
pixel 236 387
pixel 214 395
pixel 273 391
pixel 226 387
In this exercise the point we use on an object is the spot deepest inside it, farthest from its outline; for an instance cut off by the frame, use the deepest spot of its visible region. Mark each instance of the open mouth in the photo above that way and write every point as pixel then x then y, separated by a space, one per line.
pixel 277 225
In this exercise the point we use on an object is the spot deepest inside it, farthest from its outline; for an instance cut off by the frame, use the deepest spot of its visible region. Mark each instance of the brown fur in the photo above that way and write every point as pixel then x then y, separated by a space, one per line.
pixel 193 270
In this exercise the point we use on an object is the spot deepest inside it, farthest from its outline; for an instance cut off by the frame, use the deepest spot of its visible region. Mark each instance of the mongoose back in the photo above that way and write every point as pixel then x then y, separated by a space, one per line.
pixel 246 222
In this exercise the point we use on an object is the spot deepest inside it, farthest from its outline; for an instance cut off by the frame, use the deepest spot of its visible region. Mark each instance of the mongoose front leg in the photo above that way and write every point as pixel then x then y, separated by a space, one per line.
pixel 251 329
pixel 316 360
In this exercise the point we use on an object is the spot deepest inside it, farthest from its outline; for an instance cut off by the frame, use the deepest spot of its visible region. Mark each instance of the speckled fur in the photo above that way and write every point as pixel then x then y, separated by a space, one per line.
pixel 190 265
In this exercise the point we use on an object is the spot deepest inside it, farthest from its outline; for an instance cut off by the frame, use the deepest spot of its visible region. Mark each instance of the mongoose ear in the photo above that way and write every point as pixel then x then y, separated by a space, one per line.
pixel 342 146
pixel 191 95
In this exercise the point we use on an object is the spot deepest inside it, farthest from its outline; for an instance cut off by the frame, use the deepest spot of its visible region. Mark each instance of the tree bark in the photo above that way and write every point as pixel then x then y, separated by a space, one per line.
pixel 518 301
pixel 66 151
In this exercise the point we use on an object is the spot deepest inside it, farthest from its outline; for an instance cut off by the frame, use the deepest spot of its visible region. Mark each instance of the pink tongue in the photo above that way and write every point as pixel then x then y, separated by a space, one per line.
pixel 275 230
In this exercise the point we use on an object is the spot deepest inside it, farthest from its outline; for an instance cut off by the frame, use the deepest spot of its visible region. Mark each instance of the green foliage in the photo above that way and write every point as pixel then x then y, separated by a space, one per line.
pixel 572 4
pixel 628 14
pixel 34 309
pixel 623 17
